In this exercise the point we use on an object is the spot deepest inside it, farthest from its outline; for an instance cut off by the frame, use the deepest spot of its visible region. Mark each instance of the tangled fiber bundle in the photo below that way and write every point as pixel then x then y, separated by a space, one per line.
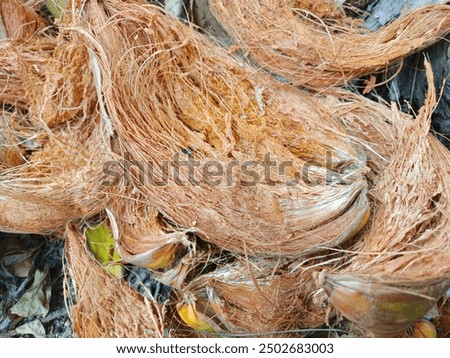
pixel 58 183
pixel 255 201
pixel 102 306
pixel 21 65
pixel 24 51
pixel 255 296
pixel 408 257
pixel 285 38
pixel 209 106
pixel 51 131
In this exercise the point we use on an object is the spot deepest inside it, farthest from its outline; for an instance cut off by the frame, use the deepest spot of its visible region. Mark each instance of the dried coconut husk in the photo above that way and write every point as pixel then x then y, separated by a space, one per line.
pixel 62 181
pixel 20 136
pixel 144 239
pixel 307 51
pixel 24 50
pixel 62 177
pixel 105 306
pixel 167 89
pixel 11 150
pixel 22 66
pixel 368 126
pixel 255 296
pixel 401 266
pixel 138 225
pixel 68 91
pixel 18 21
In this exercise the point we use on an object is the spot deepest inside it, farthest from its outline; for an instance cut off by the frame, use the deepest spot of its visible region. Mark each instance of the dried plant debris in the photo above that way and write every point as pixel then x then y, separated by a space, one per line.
pixel 141 280
pixel 407 86
pixel 282 37
pixel 100 105
pixel 102 307
pixel 35 301
pixel 251 295
pixel 381 12
pixel 31 287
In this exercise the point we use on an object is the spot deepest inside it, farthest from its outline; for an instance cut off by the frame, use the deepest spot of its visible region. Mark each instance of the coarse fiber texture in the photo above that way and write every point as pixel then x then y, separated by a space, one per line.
pixel 105 306
pixel 174 93
pixel 255 201
pixel 285 38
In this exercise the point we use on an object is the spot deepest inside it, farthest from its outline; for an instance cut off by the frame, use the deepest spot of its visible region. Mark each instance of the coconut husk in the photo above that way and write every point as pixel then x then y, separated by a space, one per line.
pixel 368 126
pixel 220 111
pixel 23 66
pixel 401 266
pixel 102 305
pixel 68 91
pixel 139 226
pixel 255 296
pixel 64 177
pixel 414 187
pixel 286 40
pixel 24 50
pixel 143 238
pixel 18 21
pixel 60 174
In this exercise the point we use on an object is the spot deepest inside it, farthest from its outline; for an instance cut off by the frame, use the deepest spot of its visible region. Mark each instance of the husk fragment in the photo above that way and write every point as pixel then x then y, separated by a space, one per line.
pixel 62 181
pixel 403 258
pixel 57 174
pixel 68 91
pixel 211 105
pixel 22 67
pixel 281 38
pixel 383 308
pixel 144 239
pixel 255 296
pixel 19 21
pixel 102 306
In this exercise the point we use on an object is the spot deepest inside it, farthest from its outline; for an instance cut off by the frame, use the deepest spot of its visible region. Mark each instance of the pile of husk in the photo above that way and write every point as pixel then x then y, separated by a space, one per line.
pixel 113 113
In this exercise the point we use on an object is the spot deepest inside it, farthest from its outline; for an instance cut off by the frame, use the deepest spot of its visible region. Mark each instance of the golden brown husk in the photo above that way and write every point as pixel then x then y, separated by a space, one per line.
pixel 207 103
pixel 168 91
pixel 51 173
pixel 258 296
pixel 290 39
pixel 102 307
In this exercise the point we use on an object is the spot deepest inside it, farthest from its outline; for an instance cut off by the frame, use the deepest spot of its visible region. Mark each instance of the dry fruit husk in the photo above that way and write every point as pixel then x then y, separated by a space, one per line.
pixel 400 267
pixel 283 38
pixel 252 296
pixel 221 112
pixel 102 307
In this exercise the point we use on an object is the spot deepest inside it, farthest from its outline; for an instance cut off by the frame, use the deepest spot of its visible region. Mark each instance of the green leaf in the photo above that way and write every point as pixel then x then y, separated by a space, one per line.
pixel 35 301
pixel 56 7
pixel 101 243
